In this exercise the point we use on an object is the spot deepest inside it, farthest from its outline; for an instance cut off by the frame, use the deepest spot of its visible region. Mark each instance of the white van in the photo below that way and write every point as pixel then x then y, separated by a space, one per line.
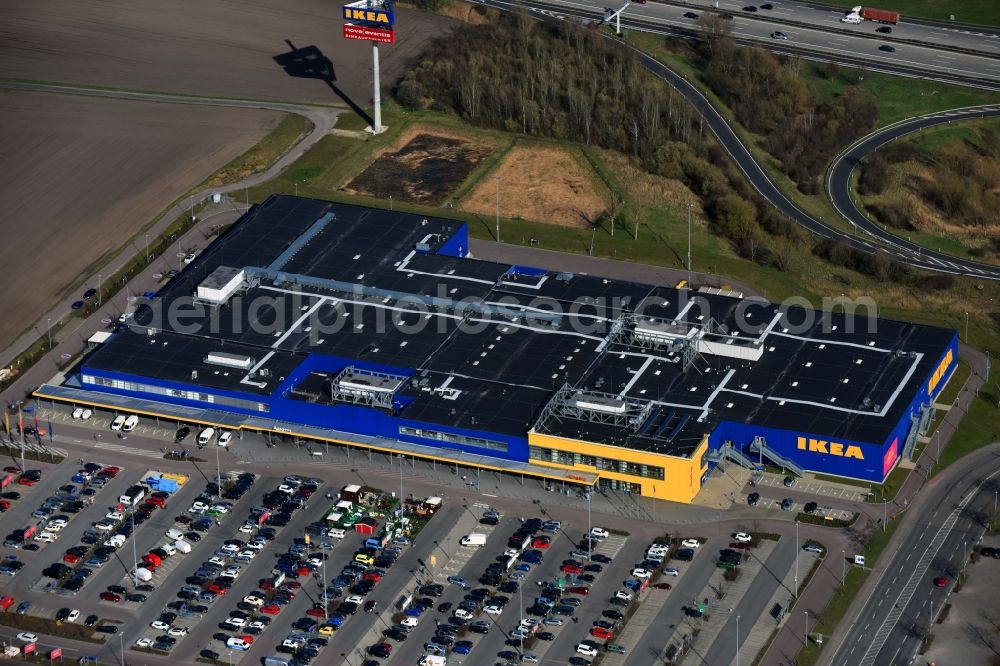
pixel 851 18
pixel 859 560
pixel 130 423
pixel 118 422
pixel 336 533
pixel 174 534
pixel 432 660
pixel 225 437
pixel 169 549
pixel 46 537
pixel 474 539
pixel 205 436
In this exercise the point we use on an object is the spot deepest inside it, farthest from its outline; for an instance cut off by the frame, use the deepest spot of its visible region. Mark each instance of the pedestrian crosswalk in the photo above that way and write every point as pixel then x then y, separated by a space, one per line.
pixel 130 450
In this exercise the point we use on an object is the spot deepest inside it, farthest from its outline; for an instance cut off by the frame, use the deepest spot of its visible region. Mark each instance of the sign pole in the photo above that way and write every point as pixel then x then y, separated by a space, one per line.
pixel 376 95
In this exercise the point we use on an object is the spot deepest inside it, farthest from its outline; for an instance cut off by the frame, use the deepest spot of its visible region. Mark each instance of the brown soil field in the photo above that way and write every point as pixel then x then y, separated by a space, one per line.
pixel 221 49
pixel 426 169
pixel 82 175
pixel 543 184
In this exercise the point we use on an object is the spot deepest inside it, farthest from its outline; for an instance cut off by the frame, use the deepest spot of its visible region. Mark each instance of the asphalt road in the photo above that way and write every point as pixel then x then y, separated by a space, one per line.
pixel 888 628
pixel 842 196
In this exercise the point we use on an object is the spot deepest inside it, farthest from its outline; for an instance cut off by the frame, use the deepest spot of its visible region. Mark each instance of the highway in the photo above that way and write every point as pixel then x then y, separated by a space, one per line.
pixel 849 45
pixel 841 195
pixel 946 526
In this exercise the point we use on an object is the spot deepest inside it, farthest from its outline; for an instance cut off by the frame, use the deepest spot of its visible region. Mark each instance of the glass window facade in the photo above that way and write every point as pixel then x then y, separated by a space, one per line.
pixel 197 396
pixel 453 438
pixel 561 457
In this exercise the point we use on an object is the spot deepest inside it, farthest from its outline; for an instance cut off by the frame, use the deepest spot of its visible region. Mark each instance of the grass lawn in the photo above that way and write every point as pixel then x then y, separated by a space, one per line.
pixel 980 12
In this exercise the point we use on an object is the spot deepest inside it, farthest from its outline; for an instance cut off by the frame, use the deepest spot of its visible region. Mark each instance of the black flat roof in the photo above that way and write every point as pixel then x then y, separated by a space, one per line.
pixel 367 284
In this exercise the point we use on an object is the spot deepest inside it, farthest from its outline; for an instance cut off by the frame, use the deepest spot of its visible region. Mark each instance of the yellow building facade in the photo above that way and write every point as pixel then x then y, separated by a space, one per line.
pixel 650 474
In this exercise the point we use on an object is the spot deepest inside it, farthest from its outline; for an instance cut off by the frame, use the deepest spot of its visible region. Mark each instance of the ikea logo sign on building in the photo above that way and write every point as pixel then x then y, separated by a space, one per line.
pixel 940 372
pixel 383 18
pixel 830 448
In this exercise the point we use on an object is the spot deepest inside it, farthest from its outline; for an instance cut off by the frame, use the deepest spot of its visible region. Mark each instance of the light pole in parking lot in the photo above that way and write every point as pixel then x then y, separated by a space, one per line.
pixel 121 647
pixel 843 568
pixel 589 528
pixel 218 473
pixel 520 605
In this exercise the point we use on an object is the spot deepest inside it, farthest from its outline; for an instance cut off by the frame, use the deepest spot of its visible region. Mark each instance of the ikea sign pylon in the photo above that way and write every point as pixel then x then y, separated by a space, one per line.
pixel 370 14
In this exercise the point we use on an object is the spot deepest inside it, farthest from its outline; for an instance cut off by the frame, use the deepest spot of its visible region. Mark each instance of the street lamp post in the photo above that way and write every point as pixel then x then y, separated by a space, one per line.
pixel 147 248
pixel 843 561
pixel 737 640
pixel 590 527
pixel 806 613
pixel 689 246
pixel 121 647
pixel 497 178
pixel 99 298
pixel 796 559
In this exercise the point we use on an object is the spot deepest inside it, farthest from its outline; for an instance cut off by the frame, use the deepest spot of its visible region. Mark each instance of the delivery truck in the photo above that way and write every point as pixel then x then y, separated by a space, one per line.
pixel 859 14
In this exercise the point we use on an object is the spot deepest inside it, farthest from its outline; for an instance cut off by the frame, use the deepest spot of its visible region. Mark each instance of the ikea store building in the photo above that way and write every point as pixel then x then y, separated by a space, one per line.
pixel 376 329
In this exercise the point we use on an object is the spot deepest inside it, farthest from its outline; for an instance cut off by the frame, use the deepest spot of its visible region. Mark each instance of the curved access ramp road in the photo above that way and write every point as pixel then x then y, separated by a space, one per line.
pixel 838 187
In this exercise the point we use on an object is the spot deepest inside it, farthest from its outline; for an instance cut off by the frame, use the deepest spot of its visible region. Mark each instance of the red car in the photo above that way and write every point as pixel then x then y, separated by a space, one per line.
pixel 217 589
pixel 11 469
pixel 183 520
pixel 25 481
pixel 664 586
pixel 270 609
pixel 266 585
pixel 316 612
pixel 70 558
pixel 542 543
pixel 570 568
pixel 110 596
pixel 373 575
pixel 600 632
pixel 940 581
pixel 303 571
pixel 157 501
pixel 739 545
pixel 291 585
pixel 581 590
pixel 110 472
pixel 4 505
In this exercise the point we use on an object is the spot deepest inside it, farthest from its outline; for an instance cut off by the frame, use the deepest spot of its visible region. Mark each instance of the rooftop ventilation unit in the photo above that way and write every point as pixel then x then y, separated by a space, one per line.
pixel 227 360
pixel 221 283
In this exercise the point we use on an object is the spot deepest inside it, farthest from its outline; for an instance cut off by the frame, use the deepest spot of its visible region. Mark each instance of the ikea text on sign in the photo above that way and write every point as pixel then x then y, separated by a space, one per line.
pixel 830 448
pixel 369 34
pixel 378 17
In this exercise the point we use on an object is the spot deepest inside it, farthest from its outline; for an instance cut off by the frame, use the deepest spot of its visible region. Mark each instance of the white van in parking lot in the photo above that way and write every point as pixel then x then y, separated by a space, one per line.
pixel 130 423
pixel 206 436
pixel 118 422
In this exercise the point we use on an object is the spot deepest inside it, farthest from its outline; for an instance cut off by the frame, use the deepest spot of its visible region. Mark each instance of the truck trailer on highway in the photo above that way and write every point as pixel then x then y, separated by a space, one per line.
pixel 859 14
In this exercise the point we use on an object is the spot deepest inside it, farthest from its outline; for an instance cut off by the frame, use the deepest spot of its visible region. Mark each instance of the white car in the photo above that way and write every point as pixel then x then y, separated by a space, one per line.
pixel 237 622
pixel 144 642
pixel 87 413
pixel 410 621
pixel 530 658
pixel 641 573
pixel 291 643
pixel 254 600
pixel 690 543
pixel 624 595
pixel 73 615
pixel 599 533
pixel 178 631
pixel 114 515
pixel 520 632
pixel 492 609
pixel 27 637
pixel 237 643
pixel 216 560
pixel 588 650
pixel 160 625
pixel 224 438
pixel 188 258
pixel 671 572
pixel 516 575
pixel 118 422
pixel 248 527
pixel 198 507
pixel 78 412
pixel 221 508
pixel 355 599
pixel 742 537
pixel 232 571
pixel 117 541
pixel 246 554
pixel 286 488
pixel 462 614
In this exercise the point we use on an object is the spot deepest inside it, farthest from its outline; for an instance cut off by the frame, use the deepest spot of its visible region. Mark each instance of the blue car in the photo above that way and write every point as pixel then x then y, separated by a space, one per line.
pixel 462 647
pixel 633 583
pixel 414 611
pixel 335 621
pixel 523 567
